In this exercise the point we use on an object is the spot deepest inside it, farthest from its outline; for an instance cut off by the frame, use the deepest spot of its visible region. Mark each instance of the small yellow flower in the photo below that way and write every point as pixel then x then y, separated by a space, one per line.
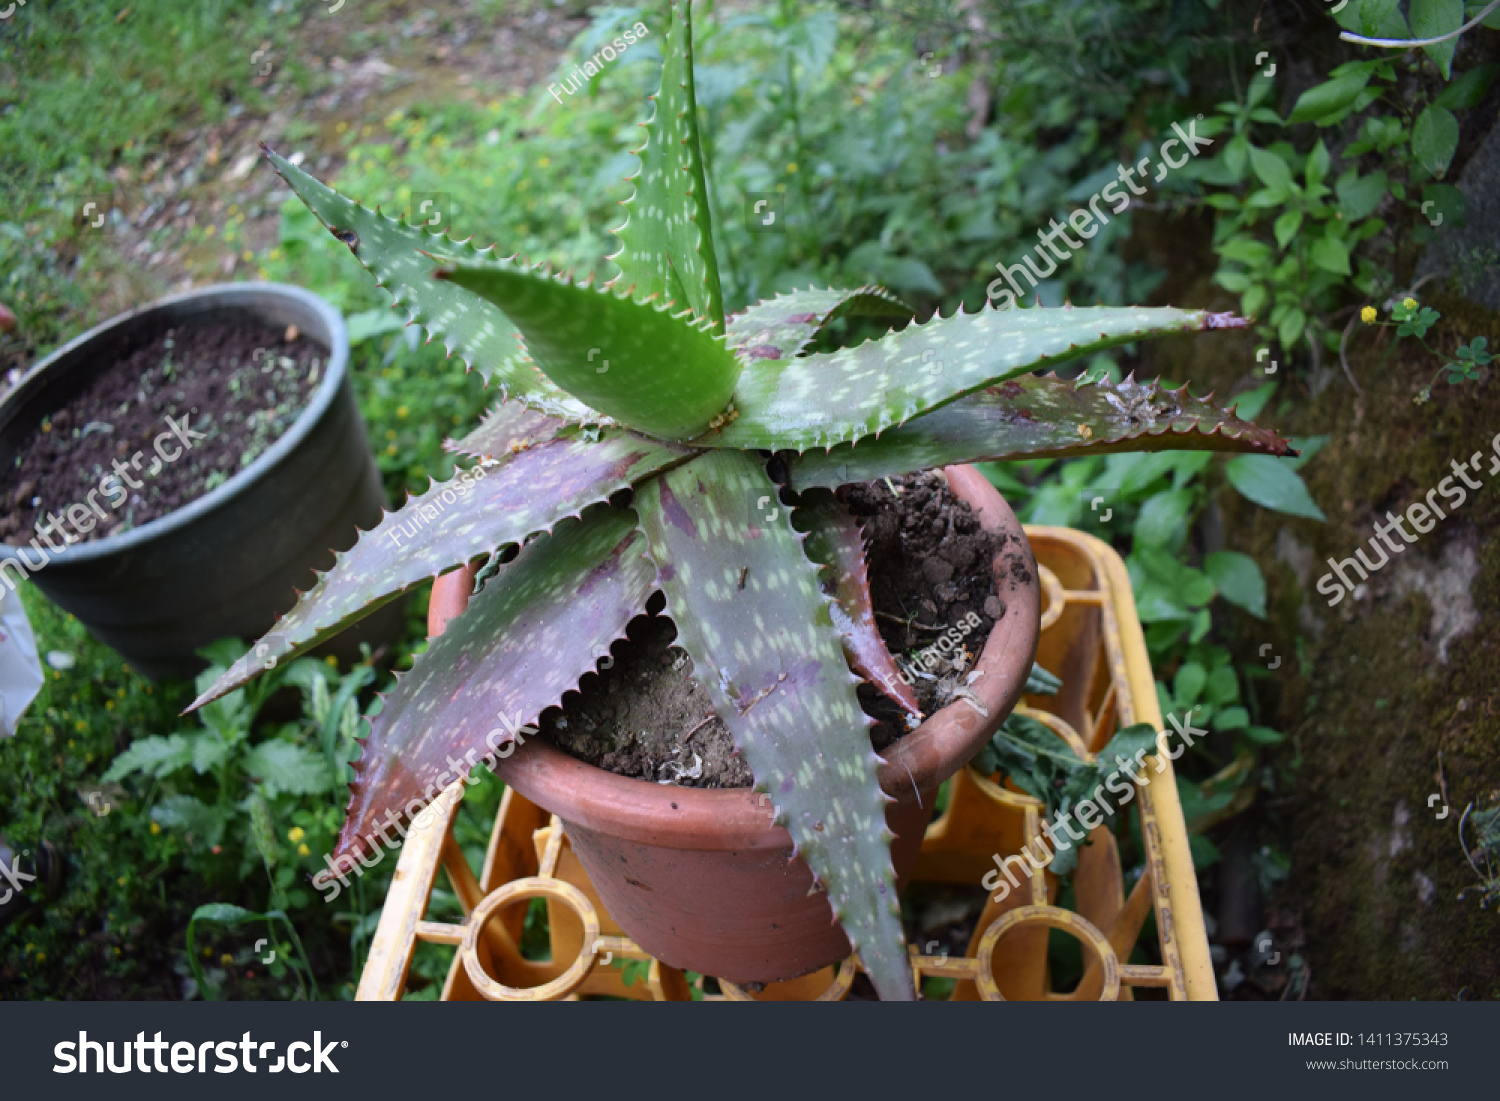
pixel 80 725
pixel 226 959
pixel 121 881
pixel 390 433
pixel 390 449
pixel 1409 303
pixel 207 952
pixel 791 166
pixel 109 705
pixel 1367 315
pixel 401 411
pixel 155 828
pixel 247 256
pixel 544 162
pixel 341 127
pixel 303 850
pixel 333 661
pixel 295 834
pixel 208 231
pixel 41 957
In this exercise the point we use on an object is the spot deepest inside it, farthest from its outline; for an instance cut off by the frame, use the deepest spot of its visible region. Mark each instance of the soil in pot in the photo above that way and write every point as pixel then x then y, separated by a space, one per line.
pixel 931 576
pixel 240 383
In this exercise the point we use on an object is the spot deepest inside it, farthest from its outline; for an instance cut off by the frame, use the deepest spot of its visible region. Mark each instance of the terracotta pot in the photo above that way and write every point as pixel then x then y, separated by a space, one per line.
pixel 697 876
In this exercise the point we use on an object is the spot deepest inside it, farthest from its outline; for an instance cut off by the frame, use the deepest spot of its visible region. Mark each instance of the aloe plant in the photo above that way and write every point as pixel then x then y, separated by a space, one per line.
pixel 644 384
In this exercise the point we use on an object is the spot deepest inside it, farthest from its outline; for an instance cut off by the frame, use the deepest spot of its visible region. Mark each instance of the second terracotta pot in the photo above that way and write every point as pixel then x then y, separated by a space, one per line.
pixel 697 876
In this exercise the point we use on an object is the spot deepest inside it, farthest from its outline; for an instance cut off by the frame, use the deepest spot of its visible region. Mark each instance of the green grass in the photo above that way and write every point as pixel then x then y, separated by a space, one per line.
pixel 125 889
pixel 92 89
pixel 116 928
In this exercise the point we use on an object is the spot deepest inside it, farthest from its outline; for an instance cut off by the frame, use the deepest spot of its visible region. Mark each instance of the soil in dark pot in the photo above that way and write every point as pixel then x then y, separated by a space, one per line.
pixel 658 806
pixel 175 475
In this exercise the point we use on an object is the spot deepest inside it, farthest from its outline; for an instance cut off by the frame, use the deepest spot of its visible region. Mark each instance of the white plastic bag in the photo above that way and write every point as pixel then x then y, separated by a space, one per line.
pixel 20 667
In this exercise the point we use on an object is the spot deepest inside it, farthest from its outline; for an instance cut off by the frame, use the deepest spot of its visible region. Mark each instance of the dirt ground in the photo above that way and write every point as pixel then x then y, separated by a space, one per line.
pixel 403 53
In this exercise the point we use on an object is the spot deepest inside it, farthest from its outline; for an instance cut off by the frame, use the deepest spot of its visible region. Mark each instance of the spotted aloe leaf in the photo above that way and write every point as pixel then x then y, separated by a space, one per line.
pixel 524 640
pixel 667 239
pixel 835 542
pixel 469 328
pixel 474 514
pixel 509 424
pixel 1035 418
pixel 840 397
pixel 751 614
pixel 782 327
pixel 663 374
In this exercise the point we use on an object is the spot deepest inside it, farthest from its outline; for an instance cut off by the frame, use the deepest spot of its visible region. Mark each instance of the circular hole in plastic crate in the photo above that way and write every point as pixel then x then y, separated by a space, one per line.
pixel 1051 917
pixel 519 891
pixel 843 979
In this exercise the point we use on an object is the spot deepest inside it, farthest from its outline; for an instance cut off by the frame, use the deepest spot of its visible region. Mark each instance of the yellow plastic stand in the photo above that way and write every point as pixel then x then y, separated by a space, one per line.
pixel 1090 638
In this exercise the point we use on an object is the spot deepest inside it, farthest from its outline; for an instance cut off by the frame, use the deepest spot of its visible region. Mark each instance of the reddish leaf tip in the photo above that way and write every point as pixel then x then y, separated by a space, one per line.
pixel 1225 321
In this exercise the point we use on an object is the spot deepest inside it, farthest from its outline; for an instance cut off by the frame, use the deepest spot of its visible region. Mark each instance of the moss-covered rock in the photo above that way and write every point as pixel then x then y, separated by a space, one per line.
pixel 1393 695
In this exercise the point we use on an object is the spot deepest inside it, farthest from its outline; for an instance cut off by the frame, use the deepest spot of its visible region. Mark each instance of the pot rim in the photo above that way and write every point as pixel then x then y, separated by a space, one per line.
pixel 230 296
pixel 711 819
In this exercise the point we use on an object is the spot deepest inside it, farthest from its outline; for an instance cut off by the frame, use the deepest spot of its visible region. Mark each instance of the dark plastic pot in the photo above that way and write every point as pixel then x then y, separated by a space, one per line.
pixel 696 876
pixel 229 563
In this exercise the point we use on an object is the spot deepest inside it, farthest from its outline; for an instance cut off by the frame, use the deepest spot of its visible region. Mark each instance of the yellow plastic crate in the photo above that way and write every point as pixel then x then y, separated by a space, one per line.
pixel 1090 638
